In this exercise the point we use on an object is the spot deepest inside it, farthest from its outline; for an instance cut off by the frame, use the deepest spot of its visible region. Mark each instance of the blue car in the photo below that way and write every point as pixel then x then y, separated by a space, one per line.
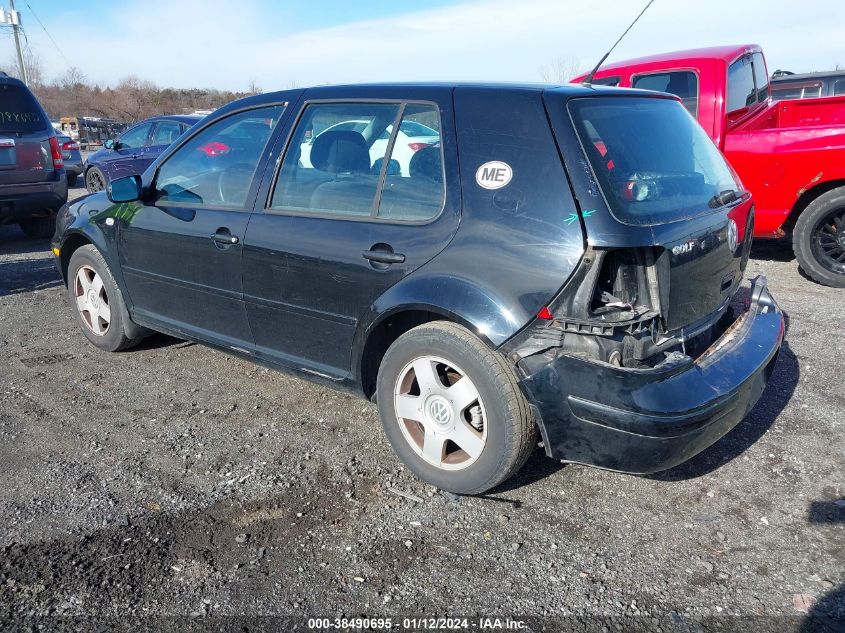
pixel 134 150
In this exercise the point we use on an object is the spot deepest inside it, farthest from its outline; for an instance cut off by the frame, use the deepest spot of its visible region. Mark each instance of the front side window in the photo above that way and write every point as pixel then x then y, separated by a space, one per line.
pixel 337 162
pixel 135 137
pixel 166 132
pixel 215 168
pixel 653 161
pixel 683 83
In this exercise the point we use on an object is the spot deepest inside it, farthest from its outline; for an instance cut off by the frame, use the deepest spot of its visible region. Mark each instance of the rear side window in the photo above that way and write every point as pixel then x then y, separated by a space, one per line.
pixel 683 83
pixel 786 91
pixel 347 159
pixel 19 111
pixel 747 83
pixel 136 136
pixel 215 168
pixel 839 87
pixel 166 132
pixel 652 160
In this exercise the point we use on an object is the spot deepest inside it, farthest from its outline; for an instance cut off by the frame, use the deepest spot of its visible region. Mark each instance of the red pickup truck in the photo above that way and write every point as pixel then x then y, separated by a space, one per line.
pixel 789 154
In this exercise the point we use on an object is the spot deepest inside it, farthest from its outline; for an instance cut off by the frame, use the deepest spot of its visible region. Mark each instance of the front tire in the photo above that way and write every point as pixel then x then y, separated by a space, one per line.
pixel 39 228
pixel 97 301
pixel 94 180
pixel 452 409
pixel 819 239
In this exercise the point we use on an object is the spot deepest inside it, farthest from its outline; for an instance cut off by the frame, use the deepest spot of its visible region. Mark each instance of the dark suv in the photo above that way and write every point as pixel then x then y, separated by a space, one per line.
pixel 563 260
pixel 33 183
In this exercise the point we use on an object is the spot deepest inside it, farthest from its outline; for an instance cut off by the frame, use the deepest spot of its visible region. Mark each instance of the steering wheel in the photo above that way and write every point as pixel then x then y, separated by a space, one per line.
pixel 233 183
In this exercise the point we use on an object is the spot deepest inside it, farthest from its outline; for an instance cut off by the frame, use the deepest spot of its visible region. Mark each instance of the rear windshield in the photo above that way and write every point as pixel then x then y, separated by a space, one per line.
pixel 19 111
pixel 652 160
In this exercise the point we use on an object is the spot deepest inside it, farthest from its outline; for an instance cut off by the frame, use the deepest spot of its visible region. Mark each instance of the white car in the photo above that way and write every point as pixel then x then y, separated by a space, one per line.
pixel 412 137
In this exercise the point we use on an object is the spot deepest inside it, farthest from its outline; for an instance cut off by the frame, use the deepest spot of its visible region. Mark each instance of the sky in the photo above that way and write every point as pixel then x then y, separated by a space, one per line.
pixel 277 45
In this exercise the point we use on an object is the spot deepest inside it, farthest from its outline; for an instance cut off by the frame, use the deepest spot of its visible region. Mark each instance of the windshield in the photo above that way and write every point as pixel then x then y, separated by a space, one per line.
pixel 19 112
pixel 653 161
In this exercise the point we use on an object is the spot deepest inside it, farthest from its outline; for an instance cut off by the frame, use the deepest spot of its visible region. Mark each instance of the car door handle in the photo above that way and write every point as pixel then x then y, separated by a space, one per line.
pixel 224 237
pixel 384 257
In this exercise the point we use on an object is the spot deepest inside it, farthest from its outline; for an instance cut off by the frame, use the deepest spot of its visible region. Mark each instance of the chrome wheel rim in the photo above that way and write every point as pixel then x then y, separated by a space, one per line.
pixel 440 413
pixel 92 300
pixel 95 181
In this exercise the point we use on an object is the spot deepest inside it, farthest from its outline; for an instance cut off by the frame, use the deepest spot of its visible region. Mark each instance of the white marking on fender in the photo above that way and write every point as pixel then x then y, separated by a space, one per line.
pixel 493 175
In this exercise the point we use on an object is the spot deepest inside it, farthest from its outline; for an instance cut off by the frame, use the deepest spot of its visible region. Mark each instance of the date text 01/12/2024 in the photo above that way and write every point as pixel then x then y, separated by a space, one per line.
pixel 416 624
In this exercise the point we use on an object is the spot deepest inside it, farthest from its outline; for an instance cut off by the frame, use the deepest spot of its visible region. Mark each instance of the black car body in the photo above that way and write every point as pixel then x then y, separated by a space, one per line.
pixel 787 85
pixel 552 230
pixel 33 183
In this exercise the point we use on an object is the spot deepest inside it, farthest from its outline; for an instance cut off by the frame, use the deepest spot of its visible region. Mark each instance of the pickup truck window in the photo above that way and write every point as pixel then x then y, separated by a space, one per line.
pixel 683 83
pixel 747 83
pixel 652 160
pixel 839 87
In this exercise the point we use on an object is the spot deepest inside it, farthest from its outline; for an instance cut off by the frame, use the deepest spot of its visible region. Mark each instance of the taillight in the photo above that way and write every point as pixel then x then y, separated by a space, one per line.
pixel 58 163
pixel 415 147
pixel 70 145
pixel 214 148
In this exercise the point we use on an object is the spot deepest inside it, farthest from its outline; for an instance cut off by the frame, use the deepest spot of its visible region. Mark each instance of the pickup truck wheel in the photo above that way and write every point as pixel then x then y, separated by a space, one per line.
pixel 100 309
pixel 452 409
pixel 819 239
pixel 39 228
pixel 94 180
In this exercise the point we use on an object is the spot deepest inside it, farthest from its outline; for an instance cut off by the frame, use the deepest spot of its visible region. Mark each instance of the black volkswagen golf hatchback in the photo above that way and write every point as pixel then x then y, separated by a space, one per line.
pixel 487 262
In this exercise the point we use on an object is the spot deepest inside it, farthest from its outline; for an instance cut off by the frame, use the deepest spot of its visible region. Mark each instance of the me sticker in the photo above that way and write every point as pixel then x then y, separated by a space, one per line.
pixel 493 175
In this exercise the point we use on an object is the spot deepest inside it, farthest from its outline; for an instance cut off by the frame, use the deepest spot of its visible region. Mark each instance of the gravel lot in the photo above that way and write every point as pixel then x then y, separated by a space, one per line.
pixel 174 479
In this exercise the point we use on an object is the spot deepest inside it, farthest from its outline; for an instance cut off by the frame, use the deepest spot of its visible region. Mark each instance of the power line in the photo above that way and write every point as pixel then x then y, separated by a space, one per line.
pixel 35 15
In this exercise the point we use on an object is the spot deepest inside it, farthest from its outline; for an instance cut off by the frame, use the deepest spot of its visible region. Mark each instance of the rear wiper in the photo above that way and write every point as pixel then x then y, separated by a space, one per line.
pixel 726 197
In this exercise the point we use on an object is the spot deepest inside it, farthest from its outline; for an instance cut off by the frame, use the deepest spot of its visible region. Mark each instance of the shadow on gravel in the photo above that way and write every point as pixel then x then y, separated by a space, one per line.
pixel 827 614
pixel 27 275
pixel 155 556
pixel 538 467
pixel 826 511
pixel 777 395
pixel 773 250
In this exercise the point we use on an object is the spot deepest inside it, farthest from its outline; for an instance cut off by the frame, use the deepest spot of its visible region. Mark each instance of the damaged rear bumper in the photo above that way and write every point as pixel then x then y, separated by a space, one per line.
pixel 648 420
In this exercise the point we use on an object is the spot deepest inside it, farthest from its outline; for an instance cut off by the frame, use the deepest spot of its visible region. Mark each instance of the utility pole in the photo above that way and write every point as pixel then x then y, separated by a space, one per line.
pixel 15 19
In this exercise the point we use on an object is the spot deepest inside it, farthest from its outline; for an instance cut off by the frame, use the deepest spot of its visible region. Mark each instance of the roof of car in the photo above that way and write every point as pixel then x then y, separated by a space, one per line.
pixel 566 89
pixel 725 53
pixel 181 118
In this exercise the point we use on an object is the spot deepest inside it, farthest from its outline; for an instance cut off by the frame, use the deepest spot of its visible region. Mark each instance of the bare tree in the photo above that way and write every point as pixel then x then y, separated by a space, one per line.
pixel 560 70
pixel 254 88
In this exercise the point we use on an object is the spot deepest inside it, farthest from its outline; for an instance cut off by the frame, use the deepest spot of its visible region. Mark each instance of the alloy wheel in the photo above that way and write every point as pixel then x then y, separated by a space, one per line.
pixel 440 412
pixel 95 181
pixel 92 300
pixel 828 241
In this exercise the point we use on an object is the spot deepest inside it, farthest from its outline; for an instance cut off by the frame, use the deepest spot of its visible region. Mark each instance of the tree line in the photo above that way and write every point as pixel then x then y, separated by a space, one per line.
pixel 131 99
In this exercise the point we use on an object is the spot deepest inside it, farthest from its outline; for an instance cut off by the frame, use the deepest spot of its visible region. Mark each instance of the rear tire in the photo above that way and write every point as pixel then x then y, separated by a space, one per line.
pixel 39 228
pixel 97 301
pixel 94 180
pixel 461 458
pixel 819 239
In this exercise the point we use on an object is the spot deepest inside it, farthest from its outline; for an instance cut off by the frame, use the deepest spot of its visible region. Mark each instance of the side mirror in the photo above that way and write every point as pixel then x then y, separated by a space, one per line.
pixel 108 144
pixel 126 189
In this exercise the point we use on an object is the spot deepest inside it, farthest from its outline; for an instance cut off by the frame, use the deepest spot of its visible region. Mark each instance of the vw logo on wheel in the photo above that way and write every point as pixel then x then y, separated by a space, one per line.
pixel 440 411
